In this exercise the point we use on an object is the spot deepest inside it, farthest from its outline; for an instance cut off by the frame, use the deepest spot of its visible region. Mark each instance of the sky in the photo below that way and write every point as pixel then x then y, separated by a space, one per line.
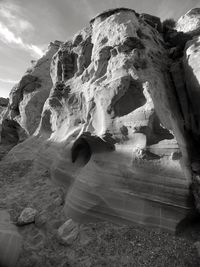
pixel 28 26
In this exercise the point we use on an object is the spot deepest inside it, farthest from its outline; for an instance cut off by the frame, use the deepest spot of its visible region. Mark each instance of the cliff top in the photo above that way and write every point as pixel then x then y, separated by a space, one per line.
pixel 110 12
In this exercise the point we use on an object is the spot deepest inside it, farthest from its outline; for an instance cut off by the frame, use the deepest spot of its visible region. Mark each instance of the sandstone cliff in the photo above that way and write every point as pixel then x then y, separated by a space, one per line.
pixel 114 114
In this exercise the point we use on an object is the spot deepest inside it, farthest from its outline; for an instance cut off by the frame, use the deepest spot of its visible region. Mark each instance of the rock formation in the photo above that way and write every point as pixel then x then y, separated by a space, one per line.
pixel 3 107
pixel 28 96
pixel 119 128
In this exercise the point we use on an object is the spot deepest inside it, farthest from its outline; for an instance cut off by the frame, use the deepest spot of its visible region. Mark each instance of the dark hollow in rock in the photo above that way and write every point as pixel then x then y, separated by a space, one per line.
pixel 131 43
pixel 132 99
pixel 69 66
pixel 142 35
pixel 86 145
pixel 10 132
pixel 29 83
pixel 81 152
pixel 78 40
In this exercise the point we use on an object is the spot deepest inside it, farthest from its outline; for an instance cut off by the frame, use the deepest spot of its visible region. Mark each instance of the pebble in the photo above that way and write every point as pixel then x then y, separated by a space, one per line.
pixel 68 232
pixel 27 216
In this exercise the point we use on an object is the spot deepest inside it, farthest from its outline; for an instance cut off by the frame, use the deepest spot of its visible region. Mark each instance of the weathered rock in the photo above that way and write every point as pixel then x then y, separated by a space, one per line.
pixel 153 21
pixel 190 22
pixel 3 109
pixel 27 216
pixel 68 232
pixel 28 96
pixel 110 12
pixel 192 80
pixel 121 121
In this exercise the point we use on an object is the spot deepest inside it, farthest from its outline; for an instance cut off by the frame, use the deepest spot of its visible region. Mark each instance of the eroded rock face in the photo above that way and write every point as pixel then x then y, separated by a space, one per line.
pixel 3 108
pixel 186 76
pixel 121 123
pixel 116 126
pixel 28 96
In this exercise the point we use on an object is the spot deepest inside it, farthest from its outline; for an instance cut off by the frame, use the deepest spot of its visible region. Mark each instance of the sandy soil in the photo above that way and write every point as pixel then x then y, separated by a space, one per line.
pixel 98 244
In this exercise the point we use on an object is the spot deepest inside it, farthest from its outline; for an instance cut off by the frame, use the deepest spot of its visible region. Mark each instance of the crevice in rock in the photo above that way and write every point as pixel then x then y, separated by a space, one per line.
pixel 102 62
pixel 153 21
pixel 69 65
pixel 129 44
pixel 46 122
pixel 84 55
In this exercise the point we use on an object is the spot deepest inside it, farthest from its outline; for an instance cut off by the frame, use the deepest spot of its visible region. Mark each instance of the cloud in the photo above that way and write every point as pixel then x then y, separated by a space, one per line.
pixel 9 37
pixel 8 81
pixel 12 16
pixel 13 26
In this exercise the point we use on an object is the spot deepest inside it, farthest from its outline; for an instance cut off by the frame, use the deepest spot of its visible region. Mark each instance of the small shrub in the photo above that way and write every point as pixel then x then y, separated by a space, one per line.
pixel 168 24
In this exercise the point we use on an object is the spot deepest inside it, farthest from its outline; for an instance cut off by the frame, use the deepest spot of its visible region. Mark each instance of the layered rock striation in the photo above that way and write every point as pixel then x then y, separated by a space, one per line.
pixel 115 114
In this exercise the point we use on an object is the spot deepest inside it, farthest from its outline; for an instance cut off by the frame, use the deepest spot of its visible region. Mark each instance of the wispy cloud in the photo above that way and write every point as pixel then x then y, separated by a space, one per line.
pixel 8 81
pixel 9 37
pixel 13 27
pixel 11 14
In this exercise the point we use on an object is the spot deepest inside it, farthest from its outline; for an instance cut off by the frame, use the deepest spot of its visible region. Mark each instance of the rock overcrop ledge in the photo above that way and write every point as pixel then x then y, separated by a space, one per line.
pixel 115 114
